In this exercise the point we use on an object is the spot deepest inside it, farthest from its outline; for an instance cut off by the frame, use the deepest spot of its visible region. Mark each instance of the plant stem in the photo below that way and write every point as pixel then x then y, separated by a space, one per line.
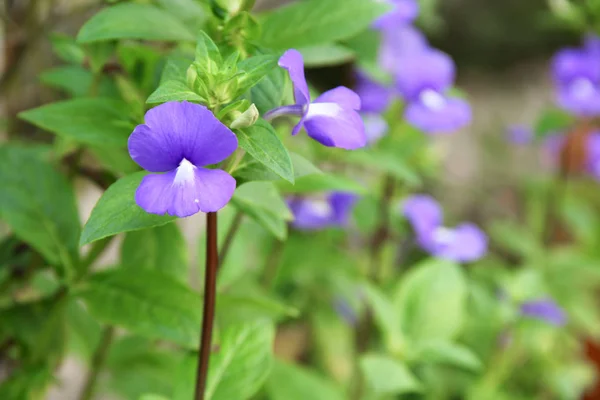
pixel 210 289
pixel 383 230
pixel 98 360
pixel 233 228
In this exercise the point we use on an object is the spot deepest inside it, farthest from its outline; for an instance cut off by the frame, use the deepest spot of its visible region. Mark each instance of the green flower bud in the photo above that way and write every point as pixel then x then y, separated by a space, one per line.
pixel 245 119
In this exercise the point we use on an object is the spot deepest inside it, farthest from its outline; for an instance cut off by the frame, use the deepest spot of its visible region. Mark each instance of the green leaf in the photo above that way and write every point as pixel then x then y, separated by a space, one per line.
pixel 146 302
pixel 315 22
pixel 67 49
pixel 326 55
pixel 27 382
pixel 253 170
pixel 207 50
pixel 173 91
pixel 553 121
pixel 233 308
pixel 38 203
pixel 387 376
pixel 117 212
pixel 291 382
pixel 262 202
pixel 115 159
pixel 322 182
pixel 133 21
pixel 431 301
pixel 162 248
pixel 255 68
pixel 444 352
pixel 238 369
pixel 386 317
pixel 76 81
pixel 87 120
pixel 261 142
pixel 267 94
pixel 386 161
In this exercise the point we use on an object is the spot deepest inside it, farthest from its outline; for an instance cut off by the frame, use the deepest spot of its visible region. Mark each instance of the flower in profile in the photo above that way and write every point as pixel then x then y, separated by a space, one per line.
pixel 545 310
pixel 577 78
pixel 402 12
pixel 318 213
pixel 332 119
pixel 423 80
pixel 180 139
pixel 464 243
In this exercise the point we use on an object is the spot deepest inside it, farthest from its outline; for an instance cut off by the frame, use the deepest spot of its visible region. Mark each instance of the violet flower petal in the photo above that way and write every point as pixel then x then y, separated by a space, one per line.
pixel 426 70
pixel 465 243
pixel 375 127
pixel 403 12
pixel 434 113
pixel 374 97
pixel 175 131
pixel 546 310
pixel 342 204
pixel 399 44
pixel 581 97
pixel 293 62
pixel 334 126
pixel 423 212
pixel 593 154
pixel 342 96
pixel 185 191
pixel 311 214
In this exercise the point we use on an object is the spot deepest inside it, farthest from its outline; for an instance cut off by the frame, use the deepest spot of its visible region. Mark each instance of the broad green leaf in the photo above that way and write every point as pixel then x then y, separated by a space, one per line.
pixel 115 159
pixel 133 21
pixel 291 382
pixel 161 248
pixel 38 203
pixel 326 55
pixel 253 170
pixel 250 306
pixel 87 120
pixel 261 142
pixel 67 49
pixel 515 239
pixel 445 352
pixel 117 212
pixel 76 81
pixel 173 91
pixel 386 316
pixel 386 162
pixel 322 182
pixel 27 382
pixel 387 376
pixel 99 53
pixel 175 70
pixel 268 92
pixel 262 202
pixel 207 50
pixel 553 121
pixel 315 22
pixel 146 302
pixel 431 301
pixel 238 369
pixel 255 68
pixel 189 11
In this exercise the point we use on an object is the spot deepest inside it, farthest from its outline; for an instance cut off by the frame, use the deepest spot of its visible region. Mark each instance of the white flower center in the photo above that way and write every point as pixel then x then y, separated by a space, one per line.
pixel 432 99
pixel 582 88
pixel 185 173
pixel 321 208
pixel 443 235
pixel 323 109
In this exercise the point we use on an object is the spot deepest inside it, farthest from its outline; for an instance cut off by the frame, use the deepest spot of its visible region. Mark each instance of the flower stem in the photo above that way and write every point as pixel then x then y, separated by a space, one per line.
pixel 98 360
pixel 210 289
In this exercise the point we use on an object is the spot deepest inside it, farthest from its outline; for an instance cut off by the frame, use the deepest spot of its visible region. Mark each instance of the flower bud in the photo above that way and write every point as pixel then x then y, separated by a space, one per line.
pixel 245 119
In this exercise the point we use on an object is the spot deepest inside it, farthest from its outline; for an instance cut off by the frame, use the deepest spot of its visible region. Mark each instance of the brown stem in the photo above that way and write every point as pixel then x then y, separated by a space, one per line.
pixel 98 360
pixel 210 289
pixel 233 228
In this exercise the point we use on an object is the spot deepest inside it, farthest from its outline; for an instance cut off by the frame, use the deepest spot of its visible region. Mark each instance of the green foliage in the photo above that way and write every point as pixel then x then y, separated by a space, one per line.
pixel 387 376
pixel 290 382
pixel 116 212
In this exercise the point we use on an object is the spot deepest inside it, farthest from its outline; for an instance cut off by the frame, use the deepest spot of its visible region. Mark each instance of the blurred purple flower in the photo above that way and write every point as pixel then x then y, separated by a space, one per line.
pixel 423 80
pixel 345 310
pixel 398 44
pixel 464 243
pixel 593 154
pixel 546 310
pixel 402 12
pixel 519 134
pixel 576 73
pixel 374 96
pixel 317 214
pixel 331 119
pixel 375 127
pixel 180 139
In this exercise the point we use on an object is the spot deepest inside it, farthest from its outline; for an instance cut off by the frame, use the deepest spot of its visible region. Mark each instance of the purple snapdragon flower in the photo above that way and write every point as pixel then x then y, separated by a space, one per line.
pixel 317 214
pixel 545 310
pixel 576 72
pixel 402 12
pixel 332 119
pixel 180 139
pixel 423 80
pixel 464 243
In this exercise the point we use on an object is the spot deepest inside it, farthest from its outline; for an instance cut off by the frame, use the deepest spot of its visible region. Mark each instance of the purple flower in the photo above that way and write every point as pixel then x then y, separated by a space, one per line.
pixel 180 139
pixel 576 73
pixel 593 154
pixel 317 214
pixel 519 134
pixel 398 44
pixel 374 96
pixel 464 243
pixel 423 79
pixel 546 310
pixel 402 12
pixel 375 127
pixel 331 119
